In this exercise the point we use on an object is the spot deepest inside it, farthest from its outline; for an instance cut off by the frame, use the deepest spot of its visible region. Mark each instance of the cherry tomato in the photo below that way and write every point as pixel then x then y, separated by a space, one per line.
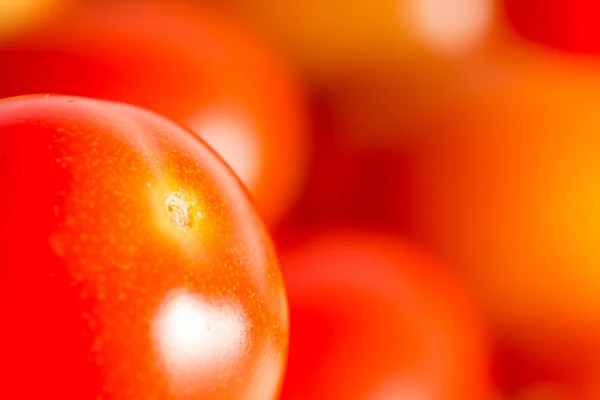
pixel 132 264
pixel 372 318
pixel 326 37
pixel 505 187
pixel 570 25
pixel 187 63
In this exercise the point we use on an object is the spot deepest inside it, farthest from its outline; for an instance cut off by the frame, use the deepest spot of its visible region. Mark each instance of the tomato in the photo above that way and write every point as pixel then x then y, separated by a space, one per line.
pixel 569 25
pixel 325 38
pixel 132 264
pixel 373 318
pixel 188 63
pixel 505 188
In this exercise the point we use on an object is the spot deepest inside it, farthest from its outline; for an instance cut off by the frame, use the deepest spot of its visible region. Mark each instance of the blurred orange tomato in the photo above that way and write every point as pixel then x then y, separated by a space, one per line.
pixel 326 37
pixel 505 184
pixel 373 318
pixel 183 61
pixel 18 16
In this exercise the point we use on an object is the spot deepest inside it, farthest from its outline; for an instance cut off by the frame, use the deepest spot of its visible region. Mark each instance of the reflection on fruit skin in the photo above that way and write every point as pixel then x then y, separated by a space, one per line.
pixel 148 272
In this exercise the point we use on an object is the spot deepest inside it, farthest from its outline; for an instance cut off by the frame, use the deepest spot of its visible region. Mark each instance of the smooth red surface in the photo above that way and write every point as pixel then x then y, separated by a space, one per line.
pixel 569 25
pixel 195 66
pixel 373 318
pixel 132 264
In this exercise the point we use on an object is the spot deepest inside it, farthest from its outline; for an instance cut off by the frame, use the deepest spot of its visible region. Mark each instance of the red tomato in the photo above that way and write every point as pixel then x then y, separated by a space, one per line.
pixel 372 318
pixel 132 264
pixel 187 63
pixel 505 186
pixel 570 25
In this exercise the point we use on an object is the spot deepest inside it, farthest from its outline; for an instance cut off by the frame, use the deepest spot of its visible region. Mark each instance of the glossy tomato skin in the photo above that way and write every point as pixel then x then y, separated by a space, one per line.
pixel 373 318
pixel 132 263
pixel 187 62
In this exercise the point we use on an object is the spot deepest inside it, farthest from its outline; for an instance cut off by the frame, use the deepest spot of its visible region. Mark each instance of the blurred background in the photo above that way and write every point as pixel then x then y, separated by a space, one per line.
pixel 429 170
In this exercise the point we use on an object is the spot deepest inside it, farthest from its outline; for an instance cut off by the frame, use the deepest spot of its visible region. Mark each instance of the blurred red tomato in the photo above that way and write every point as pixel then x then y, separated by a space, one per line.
pixel 505 185
pixel 326 37
pixel 132 264
pixel 187 63
pixel 570 25
pixel 372 318
pixel 349 185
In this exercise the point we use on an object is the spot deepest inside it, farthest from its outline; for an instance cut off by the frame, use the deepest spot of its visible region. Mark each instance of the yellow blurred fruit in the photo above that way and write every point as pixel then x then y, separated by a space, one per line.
pixel 506 185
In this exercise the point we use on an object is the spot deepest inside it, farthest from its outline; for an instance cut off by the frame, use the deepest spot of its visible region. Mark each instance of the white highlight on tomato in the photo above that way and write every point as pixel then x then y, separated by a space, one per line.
pixel 235 139
pixel 450 26
pixel 194 339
